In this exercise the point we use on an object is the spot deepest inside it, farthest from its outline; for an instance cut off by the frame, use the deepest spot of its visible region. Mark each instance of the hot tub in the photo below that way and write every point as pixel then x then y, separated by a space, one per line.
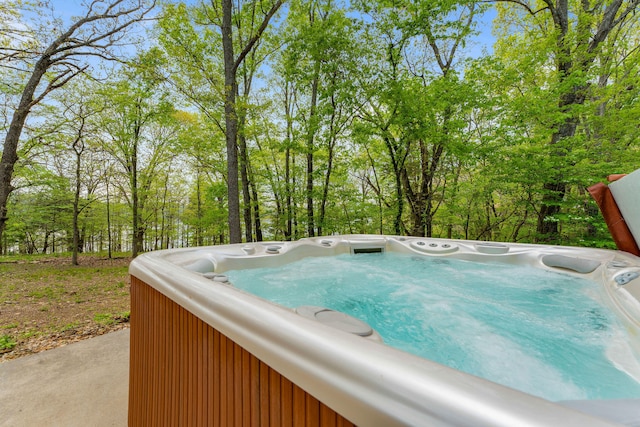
pixel 205 353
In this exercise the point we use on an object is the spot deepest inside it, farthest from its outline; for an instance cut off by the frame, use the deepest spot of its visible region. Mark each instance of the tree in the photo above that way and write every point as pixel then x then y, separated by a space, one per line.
pixel 60 55
pixel 139 130
pixel 320 62
pixel 418 102
pixel 79 145
pixel 197 53
pixel 231 64
pixel 575 33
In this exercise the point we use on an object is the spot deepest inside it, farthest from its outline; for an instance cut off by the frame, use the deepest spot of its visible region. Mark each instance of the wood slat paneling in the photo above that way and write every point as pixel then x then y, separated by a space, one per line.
pixel 184 372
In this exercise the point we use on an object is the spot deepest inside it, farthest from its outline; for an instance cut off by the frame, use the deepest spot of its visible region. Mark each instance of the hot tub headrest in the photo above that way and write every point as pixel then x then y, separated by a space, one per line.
pixel 580 265
pixel 335 319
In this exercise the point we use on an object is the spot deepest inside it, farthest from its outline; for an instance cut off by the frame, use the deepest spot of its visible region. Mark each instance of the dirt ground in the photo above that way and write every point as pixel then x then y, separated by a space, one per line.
pixel 46 302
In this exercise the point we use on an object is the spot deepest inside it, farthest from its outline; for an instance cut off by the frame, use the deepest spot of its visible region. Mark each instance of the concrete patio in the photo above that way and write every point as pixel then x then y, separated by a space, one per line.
pixel 80 384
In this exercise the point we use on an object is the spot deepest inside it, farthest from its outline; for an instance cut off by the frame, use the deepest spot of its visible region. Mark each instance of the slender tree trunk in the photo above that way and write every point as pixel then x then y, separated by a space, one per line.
pixel 199 231
pixel 256 211
pixel 109 241
pixel 231 64
pixel 294 205
pixel 136 246
pixel 45 246
pixel 311 132
pixel 163 212
pixel 327 177
pixel 287 179
pixel 287 165
pixel 554 190
pixel 76 208
pixel 231 123
pixel 397 162
pixel 244 179
pixel 78 149
pixel 331 146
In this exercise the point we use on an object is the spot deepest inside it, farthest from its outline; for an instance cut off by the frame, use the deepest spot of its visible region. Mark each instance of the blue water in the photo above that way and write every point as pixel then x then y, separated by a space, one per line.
pixel 537 331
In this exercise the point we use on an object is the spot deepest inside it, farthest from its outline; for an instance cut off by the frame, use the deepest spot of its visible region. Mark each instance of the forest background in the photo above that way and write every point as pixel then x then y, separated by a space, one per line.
pixel 136 126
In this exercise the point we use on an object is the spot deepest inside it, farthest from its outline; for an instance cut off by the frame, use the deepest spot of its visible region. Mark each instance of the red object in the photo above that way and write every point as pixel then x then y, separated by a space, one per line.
pixel 615 222
pixel 616 177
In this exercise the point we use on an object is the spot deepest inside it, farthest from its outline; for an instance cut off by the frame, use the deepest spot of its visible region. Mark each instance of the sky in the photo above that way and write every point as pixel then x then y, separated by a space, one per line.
pixel 485 40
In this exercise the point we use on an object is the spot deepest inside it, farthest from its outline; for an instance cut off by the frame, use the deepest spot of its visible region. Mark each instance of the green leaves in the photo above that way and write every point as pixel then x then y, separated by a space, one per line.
pixel 376 115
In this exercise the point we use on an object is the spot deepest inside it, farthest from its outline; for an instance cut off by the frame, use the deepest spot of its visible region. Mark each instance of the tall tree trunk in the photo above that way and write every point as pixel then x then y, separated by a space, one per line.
pixel 327 177
pixel 421 199
pixel 554 189
pixel 288 104
pixel 288 208
pixel 244 179
pixel 294 205
pixel 76 207
pixel 256 208
pixel 78 149
pixel 311 133
pixel 109 240
pixel 135 196
pixel 199 233
pixel 231 123
pixel 574 61
pixel 10 147
pixel 231 64
pixel 45 246
pixel 397 162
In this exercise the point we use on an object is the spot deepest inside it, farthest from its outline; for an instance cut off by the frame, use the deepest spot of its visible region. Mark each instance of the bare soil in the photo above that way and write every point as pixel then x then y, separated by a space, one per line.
pixel 46 302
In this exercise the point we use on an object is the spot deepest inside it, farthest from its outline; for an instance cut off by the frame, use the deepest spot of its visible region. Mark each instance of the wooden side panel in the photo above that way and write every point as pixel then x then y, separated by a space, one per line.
pixel 184 372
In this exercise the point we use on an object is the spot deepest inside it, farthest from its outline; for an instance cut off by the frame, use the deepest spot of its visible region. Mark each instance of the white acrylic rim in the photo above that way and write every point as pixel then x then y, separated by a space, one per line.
pixel 366 382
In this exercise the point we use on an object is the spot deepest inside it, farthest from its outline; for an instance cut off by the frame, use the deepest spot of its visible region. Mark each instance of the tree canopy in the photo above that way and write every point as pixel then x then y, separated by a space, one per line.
pixel 264 119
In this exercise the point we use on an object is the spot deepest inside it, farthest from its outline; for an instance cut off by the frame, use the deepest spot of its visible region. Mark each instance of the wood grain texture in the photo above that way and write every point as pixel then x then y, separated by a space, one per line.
pixel 184 372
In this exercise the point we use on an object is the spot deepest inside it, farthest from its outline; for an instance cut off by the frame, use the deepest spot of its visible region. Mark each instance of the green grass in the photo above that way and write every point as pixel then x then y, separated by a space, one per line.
pixel 29 334
pixel 17 258
pixel 42 295
pixel 103 318
pixel 70 326
pixel 7 342
pixel 111 318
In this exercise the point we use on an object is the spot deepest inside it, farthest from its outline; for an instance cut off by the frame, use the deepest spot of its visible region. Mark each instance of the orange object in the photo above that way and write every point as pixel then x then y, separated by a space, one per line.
pixel 615 221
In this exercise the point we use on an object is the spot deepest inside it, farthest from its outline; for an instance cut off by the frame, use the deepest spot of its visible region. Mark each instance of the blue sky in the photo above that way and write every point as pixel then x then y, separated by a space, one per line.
pixel 69 8
pixel 475 48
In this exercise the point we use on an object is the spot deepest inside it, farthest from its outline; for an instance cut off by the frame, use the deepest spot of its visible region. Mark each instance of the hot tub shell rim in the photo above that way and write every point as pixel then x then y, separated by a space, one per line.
pixel 305 352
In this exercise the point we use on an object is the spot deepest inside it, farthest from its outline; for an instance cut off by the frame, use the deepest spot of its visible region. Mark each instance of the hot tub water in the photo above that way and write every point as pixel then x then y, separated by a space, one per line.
pixel 541 332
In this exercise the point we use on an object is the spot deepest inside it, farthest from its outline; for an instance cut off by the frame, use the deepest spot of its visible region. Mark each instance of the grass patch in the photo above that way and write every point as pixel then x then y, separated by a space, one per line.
pixel 30 334
pixel 70 326
pixel 104 318
pixel 111 319
pixel 41 296
pixel 7 342
pixel 47 292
